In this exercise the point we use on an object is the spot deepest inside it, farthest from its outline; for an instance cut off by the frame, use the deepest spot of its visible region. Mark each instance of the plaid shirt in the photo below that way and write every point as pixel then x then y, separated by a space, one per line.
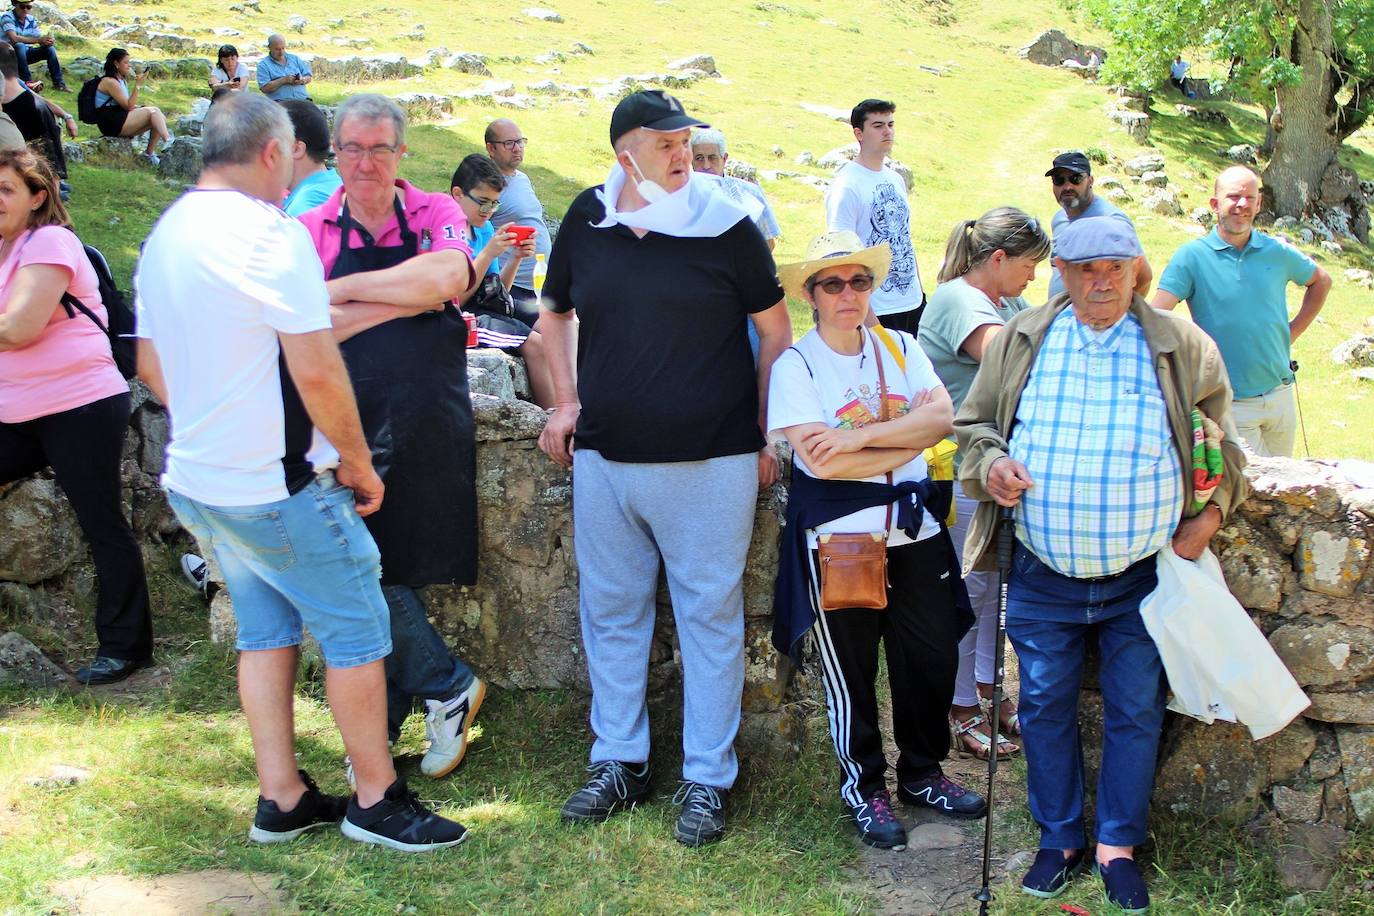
pixel 1093 431
pixel 9 22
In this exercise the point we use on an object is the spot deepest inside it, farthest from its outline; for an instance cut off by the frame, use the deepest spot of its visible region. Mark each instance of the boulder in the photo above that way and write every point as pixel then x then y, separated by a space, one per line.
pixel 39 534
pixel 1307 855
pixel 1202 215
pixel 1366 279
pixel 52 18
pixel 1243 153
pixel 542 14
pixel 703 62
pixel 1355 708
pixel 1154 180
pixel 838 156
pixel 1052 48
pixel 738 168
pixel 1136 123
pixel 1205 115
pixel 350 70
pixel 1339 184
pixel 468 62
pixel 80 69
pixel 1128 103
pixel 1219 769
pixel 297 23
pixel 805 157
pixel 1144 163
pixel 424 106
pixel 1118 194
pixel 181 159
pixel 579 47
pixel 84 24
pixel 834 114
pixel 1162 201
pixel 23 665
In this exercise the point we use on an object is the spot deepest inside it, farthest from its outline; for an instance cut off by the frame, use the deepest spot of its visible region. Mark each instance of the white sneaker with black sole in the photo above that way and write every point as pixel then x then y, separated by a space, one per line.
pixel 197 572
pixel 447 723
pixel 400 821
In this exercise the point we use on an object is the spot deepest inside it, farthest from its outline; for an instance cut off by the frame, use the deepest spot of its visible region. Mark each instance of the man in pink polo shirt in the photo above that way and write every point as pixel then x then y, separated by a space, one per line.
pixel 394 257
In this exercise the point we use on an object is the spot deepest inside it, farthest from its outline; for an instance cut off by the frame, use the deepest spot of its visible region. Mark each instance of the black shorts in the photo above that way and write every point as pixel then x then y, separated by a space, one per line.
pixel 110 120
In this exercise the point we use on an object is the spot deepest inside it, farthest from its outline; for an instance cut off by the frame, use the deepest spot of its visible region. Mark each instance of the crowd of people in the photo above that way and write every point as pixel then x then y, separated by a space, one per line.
pixel 340 304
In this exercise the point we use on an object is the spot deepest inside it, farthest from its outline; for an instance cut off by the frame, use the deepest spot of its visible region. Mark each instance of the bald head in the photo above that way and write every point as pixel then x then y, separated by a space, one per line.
pixel 505 145
pixel 1235 201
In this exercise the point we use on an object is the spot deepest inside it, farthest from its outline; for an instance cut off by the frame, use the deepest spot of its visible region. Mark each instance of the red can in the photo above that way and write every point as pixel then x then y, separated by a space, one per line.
pixel 471 320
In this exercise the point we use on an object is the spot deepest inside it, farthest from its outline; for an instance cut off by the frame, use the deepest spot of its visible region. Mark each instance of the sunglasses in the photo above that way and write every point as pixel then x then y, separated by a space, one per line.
pixel 1071 178
pixel 835 285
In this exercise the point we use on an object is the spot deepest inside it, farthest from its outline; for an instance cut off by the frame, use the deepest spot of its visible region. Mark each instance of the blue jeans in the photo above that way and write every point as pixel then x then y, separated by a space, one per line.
pixel 304 560
pixel 420 664
pixel 27 54
pixel 1050 617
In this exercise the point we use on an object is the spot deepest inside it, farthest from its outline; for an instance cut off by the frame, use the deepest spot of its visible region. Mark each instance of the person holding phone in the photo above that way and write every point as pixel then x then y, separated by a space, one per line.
pixel 283 76
pixel 118 113
pixel 229 72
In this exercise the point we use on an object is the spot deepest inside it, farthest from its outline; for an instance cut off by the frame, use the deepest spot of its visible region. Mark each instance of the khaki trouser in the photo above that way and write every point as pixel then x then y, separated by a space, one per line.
pixel 1268 423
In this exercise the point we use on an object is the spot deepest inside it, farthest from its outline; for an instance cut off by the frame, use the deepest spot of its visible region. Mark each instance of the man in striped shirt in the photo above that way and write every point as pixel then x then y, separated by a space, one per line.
pixel 1081 418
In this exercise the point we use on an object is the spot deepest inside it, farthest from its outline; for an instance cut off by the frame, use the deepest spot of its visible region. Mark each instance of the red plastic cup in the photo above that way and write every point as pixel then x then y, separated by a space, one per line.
pixel 471 320
pixel 520 232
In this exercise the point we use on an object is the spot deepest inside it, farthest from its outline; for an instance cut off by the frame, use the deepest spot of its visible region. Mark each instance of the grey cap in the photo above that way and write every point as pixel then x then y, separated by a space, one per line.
pixel 1097 238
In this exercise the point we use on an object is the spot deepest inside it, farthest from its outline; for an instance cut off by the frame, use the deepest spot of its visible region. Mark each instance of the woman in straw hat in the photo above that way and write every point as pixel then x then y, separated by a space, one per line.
pixel 859 406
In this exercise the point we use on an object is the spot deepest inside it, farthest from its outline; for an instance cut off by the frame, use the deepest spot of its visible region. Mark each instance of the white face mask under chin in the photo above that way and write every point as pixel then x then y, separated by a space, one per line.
pixel 651 191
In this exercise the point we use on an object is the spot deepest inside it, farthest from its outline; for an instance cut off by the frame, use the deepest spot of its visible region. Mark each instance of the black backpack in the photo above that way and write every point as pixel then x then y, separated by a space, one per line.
pixel 120 331
pixel 85 100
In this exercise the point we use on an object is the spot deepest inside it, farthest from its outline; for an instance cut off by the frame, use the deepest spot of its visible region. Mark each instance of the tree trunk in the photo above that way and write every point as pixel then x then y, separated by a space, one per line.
pixel 1309 139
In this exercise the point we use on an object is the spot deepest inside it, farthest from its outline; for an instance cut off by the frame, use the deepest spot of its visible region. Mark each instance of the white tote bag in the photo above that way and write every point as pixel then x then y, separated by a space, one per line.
pixel 1219 664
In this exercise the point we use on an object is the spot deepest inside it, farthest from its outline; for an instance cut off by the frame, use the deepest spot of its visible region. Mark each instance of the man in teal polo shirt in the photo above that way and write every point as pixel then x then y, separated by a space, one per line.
pixel 1235 280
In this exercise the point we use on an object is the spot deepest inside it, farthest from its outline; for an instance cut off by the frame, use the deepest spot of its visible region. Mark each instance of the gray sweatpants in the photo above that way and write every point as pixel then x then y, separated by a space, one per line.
pixel 697 515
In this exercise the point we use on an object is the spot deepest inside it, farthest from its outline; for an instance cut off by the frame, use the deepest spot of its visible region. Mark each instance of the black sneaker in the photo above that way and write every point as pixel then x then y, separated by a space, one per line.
pixel 272 825
pixel 614 786
pixel 877 824
pixel 1124 885
pixel 941 793
pixel 703 813
pixel 1051 873
pixel 106 670
pixel 400 821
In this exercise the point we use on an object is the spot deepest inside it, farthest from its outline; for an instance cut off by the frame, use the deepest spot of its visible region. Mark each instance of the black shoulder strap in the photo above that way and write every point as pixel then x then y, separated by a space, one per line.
pixel 70 302
pixel 803 359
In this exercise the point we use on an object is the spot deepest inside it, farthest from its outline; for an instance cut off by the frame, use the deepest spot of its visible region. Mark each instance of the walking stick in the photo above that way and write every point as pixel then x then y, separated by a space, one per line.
pixel 1004 542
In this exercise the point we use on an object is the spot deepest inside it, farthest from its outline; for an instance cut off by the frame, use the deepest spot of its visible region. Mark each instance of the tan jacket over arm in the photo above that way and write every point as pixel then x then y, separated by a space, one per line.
pixel 1190 372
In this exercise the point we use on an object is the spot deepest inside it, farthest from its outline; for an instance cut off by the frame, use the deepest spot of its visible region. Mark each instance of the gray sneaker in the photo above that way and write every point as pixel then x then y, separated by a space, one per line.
pixel 614 787
pixel 703 813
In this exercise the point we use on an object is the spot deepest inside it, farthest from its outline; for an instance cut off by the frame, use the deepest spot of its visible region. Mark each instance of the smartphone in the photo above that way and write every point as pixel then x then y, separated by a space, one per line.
pixel 234 80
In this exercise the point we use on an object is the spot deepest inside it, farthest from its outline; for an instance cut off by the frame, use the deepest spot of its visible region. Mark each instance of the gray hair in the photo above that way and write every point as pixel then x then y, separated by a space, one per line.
pixel 709 136
pixel 238 127
pixel 276 36
pixel 370 106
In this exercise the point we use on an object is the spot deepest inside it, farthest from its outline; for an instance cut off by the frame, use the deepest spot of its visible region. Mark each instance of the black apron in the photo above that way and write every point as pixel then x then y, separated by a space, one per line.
pixel 411 381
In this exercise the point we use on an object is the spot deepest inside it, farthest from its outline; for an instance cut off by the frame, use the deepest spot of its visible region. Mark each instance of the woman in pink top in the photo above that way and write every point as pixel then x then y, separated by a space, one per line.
pixel 63 403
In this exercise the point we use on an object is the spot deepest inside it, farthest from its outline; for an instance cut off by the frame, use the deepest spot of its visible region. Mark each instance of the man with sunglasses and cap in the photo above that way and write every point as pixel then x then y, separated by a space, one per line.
pixel 1071 175
pixel 1081 417
pixel 665 410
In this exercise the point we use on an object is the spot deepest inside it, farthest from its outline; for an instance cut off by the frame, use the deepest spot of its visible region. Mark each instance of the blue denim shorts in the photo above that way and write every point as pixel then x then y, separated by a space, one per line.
pixel 306 560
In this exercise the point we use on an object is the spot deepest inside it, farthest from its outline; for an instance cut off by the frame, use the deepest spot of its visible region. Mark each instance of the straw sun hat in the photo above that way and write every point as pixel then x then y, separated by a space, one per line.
pixel 832 249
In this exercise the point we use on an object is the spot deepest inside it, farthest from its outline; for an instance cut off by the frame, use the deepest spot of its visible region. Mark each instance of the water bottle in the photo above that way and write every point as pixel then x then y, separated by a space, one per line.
pixel 541 269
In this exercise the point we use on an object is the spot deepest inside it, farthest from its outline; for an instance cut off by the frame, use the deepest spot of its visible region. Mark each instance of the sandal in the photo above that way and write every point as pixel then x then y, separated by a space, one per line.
pixel 970 742
pixel 1011 725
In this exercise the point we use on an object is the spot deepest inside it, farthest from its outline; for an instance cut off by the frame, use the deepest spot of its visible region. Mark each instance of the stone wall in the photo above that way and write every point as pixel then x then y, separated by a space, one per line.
pixel 1297 555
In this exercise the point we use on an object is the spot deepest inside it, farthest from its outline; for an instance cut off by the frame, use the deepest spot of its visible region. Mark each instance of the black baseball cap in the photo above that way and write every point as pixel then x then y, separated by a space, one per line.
pixel 650 108
pixel 1072 161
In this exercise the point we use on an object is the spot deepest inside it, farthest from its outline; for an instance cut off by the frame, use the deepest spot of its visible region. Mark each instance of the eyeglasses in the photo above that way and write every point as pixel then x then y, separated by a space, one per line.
pixel 483 206
pixel 353 152
pixel 835 285
pixel 510 145
pixel 1071 178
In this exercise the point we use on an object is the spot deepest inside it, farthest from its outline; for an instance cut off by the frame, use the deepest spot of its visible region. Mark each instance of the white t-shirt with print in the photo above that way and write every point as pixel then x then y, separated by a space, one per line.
pixel 873 206
pixel 221 275
pixel 811 383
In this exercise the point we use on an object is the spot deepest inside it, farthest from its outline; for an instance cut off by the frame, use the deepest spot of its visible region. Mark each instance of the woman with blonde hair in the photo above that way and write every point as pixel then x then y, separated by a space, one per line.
pixel 63 402
pixel 989 262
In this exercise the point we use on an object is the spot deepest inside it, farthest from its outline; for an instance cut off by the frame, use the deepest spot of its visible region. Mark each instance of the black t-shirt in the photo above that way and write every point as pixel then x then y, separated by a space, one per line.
pixel 664 371
pixel 23 111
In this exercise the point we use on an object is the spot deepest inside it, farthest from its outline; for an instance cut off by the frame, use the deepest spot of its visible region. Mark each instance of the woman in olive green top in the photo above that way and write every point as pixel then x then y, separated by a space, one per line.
pixel 989 262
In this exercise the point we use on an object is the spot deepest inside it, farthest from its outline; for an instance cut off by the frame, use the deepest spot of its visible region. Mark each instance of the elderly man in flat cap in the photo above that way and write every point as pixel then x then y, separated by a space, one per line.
pixel 1082 419
pixel 663 417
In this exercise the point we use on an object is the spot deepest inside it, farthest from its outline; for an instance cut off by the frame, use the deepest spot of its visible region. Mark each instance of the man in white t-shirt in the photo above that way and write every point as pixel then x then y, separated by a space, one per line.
pixel 869 199
pixel 268 467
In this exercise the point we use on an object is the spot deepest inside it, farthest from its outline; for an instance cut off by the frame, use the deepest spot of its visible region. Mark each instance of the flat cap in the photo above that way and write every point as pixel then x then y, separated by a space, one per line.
pixel 1097 238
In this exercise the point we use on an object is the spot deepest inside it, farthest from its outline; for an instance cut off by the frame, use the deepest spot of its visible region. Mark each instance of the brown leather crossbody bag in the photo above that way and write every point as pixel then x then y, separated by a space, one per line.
pixel 853 567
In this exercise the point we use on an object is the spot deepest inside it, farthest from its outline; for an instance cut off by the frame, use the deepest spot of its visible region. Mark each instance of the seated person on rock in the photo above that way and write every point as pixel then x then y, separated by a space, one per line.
pixel 30 44
pixel 477 186
pixel 36 117
pixel 229 71
pixel 283 76
pixel 118 113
